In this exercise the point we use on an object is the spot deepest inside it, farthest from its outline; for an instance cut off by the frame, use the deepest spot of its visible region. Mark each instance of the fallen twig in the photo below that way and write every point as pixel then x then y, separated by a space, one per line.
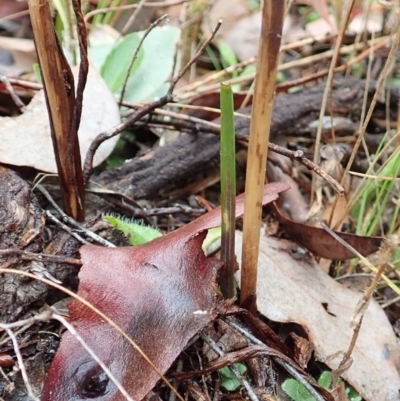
pixel 41 257
pixel 72 221
pixel 213 345
pixel 138 114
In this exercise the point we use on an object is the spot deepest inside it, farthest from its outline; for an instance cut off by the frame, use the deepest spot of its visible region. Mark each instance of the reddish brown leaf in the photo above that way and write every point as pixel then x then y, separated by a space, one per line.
pixel 161 293
pixel 322 244
pixel 6 361
pixel 292 288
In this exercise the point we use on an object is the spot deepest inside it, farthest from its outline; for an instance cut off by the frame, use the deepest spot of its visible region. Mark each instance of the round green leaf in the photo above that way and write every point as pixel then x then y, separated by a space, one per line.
pixel 148 82
pixel 115 67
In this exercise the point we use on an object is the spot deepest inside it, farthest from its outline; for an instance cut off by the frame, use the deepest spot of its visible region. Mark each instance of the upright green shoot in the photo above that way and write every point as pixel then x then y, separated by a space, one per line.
pixel 108 17
pixel 98 18
pixel 375 197
pixel 228 191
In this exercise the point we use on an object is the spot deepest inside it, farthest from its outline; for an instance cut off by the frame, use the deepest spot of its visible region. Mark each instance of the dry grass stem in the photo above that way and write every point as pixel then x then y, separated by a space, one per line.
pixel 346 13
pixel 267 65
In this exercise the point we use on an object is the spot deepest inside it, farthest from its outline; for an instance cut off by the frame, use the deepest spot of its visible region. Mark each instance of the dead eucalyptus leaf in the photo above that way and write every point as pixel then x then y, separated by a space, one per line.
pixel 296 290
pixel 25 140
pixel 322 244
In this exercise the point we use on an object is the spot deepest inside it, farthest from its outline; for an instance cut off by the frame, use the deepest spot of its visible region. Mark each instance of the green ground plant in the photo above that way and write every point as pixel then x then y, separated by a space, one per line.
pixel 297 392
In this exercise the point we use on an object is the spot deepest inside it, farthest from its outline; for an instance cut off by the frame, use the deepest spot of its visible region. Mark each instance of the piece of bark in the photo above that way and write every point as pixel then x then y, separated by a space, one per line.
pixel 22 225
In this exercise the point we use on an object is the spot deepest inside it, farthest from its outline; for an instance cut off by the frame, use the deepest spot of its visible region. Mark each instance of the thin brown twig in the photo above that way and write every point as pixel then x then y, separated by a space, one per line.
pixel 72 221
pixel 40 257
pixel 66 228
pixel 21 364
pixel 383 256
pixel 138 114
pixel 78 103
pixel 157 4
pixel 254 351
pixel 194 124
pixel 84 63
pixel 196 56
pixel 282 361
pixel 12 16
pixel 299 156
pixel 162 211
pixel 139 6
pixel 214 346
pixel 25 84
pixel 16 99
pixel 135 54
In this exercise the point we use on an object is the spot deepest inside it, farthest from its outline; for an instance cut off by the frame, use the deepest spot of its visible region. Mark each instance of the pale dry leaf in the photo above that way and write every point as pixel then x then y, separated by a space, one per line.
pixel 25 140
pixel 292 201
pixel 321 27
pixel 321 7
pixel 372 20
pixel 240 28
pixel 17 56
pixel 296 290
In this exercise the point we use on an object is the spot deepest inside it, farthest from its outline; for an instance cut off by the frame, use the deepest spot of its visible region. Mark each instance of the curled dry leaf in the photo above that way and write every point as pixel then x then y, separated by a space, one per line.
pixel 292 201
pixel 161 293
pixel 25 140
pixel 293 288
pixel 322 244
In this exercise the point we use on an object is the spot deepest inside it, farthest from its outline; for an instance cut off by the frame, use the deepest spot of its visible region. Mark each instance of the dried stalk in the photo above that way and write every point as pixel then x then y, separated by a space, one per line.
pixel 267 64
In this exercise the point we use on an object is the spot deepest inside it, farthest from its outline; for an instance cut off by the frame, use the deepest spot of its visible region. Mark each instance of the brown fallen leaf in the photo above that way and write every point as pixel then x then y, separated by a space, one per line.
pixel 322 244
pixel 292 201
pixel 296 290
pixel 18 54
pixel 161 293
pixel 25 140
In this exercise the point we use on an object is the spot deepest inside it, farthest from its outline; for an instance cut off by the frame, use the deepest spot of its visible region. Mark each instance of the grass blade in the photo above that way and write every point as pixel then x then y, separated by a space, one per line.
pixel 228 191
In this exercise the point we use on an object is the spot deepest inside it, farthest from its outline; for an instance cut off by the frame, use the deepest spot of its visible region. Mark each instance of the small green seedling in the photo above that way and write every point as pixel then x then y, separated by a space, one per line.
pixel 229 382
pixel 139 234
pixel 297 392
pixel 136 233
pixel 212 241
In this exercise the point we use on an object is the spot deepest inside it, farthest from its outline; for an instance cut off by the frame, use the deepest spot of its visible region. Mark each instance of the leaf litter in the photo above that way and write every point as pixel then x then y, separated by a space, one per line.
pixel 161 293
pixel 26 141
pixel 308 237
pixel 294 289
